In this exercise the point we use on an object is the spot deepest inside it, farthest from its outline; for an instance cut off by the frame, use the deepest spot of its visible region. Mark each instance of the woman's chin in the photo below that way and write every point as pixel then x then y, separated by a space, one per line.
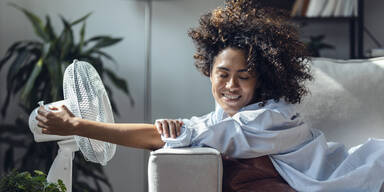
pixel 232 103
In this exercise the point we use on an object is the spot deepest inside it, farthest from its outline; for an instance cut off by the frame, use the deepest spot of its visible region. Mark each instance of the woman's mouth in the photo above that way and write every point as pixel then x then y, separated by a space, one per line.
pixel 231 97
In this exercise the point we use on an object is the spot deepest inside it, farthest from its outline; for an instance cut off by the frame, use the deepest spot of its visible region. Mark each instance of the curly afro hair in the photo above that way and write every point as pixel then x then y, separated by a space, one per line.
pixel 272 48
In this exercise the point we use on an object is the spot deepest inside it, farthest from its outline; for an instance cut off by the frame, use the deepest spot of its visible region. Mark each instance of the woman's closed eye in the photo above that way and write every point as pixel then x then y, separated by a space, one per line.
pixel 244 77
pixel 223 75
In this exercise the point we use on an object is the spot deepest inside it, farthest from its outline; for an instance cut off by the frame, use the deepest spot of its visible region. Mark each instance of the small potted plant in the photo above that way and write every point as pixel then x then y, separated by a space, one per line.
pixel 26 182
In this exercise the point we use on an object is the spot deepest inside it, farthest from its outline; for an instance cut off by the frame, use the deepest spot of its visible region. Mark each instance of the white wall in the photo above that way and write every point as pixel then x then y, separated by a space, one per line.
pixel 178 90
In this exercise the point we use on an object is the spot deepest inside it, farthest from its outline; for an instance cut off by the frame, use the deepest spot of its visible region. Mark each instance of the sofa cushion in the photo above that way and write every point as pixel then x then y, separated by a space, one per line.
pixel 346 100
pixel 185 169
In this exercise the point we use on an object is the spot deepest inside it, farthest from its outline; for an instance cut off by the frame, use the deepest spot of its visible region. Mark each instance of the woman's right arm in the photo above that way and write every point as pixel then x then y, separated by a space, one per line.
pixel 63 122
pixel 143 136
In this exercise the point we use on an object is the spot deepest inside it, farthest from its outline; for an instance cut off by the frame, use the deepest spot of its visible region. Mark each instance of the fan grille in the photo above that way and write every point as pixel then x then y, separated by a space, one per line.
pixel 88 99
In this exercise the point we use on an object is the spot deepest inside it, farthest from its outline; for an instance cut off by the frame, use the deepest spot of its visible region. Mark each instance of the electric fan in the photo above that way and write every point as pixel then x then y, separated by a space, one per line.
pixel 86 97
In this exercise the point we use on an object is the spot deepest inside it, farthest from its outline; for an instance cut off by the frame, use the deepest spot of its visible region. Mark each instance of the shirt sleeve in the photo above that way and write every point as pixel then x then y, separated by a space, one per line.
pixel 183 140
pixel 254 133
pixel 189 130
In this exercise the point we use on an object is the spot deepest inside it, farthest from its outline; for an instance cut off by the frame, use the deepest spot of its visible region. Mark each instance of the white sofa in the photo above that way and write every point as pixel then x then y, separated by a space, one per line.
pixel 346 102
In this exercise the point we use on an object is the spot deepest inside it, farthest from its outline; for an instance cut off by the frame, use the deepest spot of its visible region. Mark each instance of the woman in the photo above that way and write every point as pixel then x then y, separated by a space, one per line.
pixel 257 68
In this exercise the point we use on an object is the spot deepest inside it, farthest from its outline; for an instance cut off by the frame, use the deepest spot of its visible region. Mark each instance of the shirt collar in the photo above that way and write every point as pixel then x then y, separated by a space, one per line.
pixel 220 114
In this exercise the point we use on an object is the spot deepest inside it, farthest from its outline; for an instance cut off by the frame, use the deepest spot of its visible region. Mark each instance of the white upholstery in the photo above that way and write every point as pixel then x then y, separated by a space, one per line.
pixel 185 169
pixel 346 102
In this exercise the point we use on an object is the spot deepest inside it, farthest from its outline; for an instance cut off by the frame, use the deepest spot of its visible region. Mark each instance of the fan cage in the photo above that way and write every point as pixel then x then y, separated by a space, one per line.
pixel 88 99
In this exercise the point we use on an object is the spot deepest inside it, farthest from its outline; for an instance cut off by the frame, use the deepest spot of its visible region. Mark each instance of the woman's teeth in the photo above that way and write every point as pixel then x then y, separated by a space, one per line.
pixel 231 96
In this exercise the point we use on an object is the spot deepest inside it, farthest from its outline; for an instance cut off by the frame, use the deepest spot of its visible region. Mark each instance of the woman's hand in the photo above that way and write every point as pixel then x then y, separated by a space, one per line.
pixel 168 127
pixel 56 121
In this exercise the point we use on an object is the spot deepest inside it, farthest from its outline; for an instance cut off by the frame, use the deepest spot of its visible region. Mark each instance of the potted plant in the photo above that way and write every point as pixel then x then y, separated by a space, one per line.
pixel 26 182
pixel 35 73
pixel 316 44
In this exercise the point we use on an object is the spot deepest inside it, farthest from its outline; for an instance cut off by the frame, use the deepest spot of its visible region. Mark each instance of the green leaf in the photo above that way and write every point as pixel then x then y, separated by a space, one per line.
pixel 5 105
pixel 81 19
pixel 82 186
pixel 82 34
pixel 20 59
pixel 21 77
pixel 101 42
pixel 61 185
pixel 104 54
pixel 17 47
pixel 66 38
pixel 49 30
pixel 11 129
pixel 31 80
pixel 13 142
pixel 10 52
pixel 37 172
pixel 96 62
pixel 98 187
pixel 8 160
pixel 55 76
pixel 35 20
pixel 96 38
pixel 113 105
pixel 119 83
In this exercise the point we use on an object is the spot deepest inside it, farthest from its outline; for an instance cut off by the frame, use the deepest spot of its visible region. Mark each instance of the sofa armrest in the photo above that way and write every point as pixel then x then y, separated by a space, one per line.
pixel 185 169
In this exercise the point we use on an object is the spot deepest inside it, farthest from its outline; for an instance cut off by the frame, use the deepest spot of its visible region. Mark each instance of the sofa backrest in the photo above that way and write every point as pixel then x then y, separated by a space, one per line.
pixel 346 100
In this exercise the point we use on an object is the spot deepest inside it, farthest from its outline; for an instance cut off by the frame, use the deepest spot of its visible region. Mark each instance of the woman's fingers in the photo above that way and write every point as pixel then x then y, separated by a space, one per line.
pixel 46 131
pixel 159 127
pixel 165 126
pixel 41 118
pixel 42 111
pixel 178 128
pixel 172 128
pixel 168 127
pixel 41 125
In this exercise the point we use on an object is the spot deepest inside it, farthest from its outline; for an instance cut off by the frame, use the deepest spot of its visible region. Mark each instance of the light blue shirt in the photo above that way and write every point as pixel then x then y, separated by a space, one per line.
pixel 300 154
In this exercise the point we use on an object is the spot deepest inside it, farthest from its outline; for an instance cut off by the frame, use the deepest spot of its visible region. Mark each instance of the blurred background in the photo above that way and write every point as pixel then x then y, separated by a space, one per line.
pixel 155 58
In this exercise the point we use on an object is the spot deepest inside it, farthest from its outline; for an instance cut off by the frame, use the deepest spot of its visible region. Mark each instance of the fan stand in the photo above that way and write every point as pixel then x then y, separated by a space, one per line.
pixel 62 165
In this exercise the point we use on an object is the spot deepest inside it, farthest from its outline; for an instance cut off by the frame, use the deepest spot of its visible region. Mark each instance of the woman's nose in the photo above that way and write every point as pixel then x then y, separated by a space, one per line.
pixel 232 83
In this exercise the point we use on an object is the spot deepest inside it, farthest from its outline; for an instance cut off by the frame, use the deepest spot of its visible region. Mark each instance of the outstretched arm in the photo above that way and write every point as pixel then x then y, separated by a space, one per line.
pixel 63 122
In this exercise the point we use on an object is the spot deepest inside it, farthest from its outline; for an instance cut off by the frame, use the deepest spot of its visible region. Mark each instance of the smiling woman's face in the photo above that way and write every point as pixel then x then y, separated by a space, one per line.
pixel 232 85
